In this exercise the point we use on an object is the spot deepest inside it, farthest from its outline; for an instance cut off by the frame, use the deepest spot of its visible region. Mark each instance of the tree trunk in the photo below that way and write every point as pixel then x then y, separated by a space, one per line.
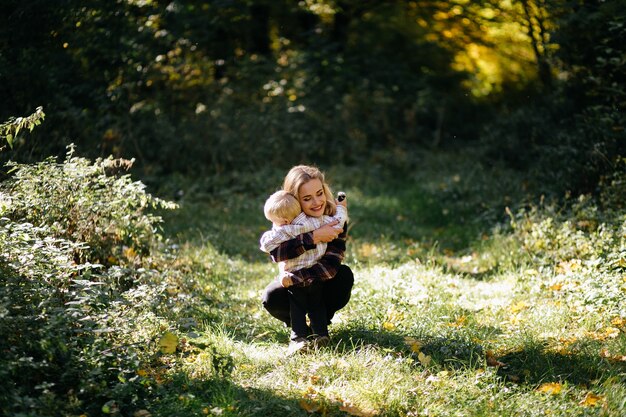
pixel 259 38
pixel 543 67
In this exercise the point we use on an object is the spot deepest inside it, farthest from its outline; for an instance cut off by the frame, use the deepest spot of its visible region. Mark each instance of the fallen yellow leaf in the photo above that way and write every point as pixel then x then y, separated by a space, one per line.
pixel 552 388
pixel 459 322
pixel 424 359
pixel 492 360
pixel 130 253
pixel 567 267
pixel 611 332
pixel 619 322
pixel 310 405
pixel 168 343
pixel 354 410
pixel 388 325
pixel 519 306
pixel 591 399
pixel 414 344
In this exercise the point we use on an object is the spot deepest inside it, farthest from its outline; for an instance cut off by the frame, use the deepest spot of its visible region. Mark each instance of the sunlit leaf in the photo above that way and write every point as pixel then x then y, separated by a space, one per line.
pixel 354 410
pixel 459 322
pixel 424 359
pixel 168 343
pixel 517 307
pixel 388 326
pixel 310 405
pixel 414 344
pixel 567 267
pixel 310 401
pixel 130 253
pixel 492 360
pixel 591 399
pixel 110 407
pixel 552 388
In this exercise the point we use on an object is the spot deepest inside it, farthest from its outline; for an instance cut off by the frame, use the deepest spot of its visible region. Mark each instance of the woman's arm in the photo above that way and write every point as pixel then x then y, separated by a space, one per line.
pixel 295 247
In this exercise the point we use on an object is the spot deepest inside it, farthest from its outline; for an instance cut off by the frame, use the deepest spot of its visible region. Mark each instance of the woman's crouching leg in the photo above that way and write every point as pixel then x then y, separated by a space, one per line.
pixel 276 302
pixel 337 291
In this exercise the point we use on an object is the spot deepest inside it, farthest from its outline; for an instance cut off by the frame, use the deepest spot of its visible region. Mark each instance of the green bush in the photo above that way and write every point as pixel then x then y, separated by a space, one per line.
pixel 81 300
pixel 80 202
pixel 578 249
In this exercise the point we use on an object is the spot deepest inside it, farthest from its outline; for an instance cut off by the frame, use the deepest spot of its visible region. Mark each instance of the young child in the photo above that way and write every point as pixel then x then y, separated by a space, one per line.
pixel 284 211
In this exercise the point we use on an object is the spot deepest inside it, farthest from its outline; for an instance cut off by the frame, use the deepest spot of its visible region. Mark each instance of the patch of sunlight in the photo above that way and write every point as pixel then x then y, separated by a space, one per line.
pixel 324 9
pixel 262 353
pixel 483 295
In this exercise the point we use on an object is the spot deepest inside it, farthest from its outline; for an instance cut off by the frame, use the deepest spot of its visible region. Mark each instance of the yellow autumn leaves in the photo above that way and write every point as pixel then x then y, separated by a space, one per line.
pixel 416 348
pixel 168 343
pixel 556 388
pixel 314 401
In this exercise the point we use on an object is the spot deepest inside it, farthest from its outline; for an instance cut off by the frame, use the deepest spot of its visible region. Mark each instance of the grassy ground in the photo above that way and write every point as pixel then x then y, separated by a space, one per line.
pixel 458 309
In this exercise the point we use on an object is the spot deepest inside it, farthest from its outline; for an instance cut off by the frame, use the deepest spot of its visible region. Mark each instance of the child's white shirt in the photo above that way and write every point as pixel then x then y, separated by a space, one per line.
pixel 301 224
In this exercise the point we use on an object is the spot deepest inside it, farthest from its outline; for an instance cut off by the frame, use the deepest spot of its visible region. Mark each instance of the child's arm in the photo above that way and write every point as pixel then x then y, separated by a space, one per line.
pixel 325 269
pixel 272 238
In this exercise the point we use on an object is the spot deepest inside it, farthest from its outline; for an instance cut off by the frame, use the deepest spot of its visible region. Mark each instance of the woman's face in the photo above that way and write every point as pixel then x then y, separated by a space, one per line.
pixel 312 198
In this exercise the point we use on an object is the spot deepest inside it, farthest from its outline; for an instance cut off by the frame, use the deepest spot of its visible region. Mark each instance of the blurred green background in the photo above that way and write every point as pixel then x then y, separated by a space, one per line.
pixel 219 88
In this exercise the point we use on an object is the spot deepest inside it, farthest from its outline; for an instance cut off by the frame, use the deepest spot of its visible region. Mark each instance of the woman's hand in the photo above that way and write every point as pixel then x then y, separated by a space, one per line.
pixel 326 233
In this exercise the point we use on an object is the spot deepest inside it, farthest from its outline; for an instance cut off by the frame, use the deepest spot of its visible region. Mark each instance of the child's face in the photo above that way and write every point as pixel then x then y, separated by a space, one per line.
pixel 312 198
pixel 280 222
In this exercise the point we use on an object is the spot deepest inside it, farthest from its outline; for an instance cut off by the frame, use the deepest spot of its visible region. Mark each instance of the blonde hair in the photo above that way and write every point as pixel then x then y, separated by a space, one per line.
pixel 301 174
pixel 281 205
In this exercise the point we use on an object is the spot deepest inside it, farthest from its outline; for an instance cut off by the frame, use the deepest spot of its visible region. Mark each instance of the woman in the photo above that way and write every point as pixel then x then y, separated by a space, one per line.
pixel 307 184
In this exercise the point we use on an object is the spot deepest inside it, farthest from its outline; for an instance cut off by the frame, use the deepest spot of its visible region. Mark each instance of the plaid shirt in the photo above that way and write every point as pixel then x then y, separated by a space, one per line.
pixel 325 268
pixel 301 224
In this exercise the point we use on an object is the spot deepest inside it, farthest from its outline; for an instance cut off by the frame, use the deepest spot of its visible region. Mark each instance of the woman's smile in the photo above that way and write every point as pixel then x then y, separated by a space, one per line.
pixel 312 198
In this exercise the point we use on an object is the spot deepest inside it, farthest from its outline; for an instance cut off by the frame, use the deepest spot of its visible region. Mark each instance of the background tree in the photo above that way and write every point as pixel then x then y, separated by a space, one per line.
pixel 188 86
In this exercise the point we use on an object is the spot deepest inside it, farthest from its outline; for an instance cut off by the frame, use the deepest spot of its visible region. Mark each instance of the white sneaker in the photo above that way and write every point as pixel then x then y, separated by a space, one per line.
pixel 299 344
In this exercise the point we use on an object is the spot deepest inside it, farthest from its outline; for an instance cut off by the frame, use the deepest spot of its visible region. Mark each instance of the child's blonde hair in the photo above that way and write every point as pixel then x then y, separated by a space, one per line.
pixel 281 206
pixel 301 174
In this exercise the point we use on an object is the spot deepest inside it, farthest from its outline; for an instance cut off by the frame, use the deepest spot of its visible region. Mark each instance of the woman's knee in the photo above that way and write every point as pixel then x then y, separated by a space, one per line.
pixel 274 294
pixel 345 277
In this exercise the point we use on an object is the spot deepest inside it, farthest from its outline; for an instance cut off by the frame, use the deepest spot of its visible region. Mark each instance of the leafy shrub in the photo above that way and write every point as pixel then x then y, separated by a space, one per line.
pixel 578 251
pixel 78 201
pixel 76 332
pixel 12 127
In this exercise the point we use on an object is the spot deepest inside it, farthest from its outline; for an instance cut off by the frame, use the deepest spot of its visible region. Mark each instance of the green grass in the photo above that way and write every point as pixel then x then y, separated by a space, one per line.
pixel 451 314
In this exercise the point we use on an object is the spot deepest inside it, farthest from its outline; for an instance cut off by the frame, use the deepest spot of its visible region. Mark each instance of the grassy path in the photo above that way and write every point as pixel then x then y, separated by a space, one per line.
pixel 447 317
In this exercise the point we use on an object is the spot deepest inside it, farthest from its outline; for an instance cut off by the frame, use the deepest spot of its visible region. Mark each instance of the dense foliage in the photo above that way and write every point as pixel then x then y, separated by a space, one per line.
pixel 81 298
pixel 211 87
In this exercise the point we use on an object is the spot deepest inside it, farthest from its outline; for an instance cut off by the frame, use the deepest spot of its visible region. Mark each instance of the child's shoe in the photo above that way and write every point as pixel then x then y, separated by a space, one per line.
pixel 321 341
pixel 299 344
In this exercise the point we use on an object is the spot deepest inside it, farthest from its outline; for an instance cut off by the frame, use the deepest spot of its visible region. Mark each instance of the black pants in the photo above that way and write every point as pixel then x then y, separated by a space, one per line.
pixel 335 293
pixel 303 301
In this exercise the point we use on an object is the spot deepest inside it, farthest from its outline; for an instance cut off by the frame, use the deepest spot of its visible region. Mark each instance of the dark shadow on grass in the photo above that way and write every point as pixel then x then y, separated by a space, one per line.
pixel 448 352
pixel 536 364
pixel 220 396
